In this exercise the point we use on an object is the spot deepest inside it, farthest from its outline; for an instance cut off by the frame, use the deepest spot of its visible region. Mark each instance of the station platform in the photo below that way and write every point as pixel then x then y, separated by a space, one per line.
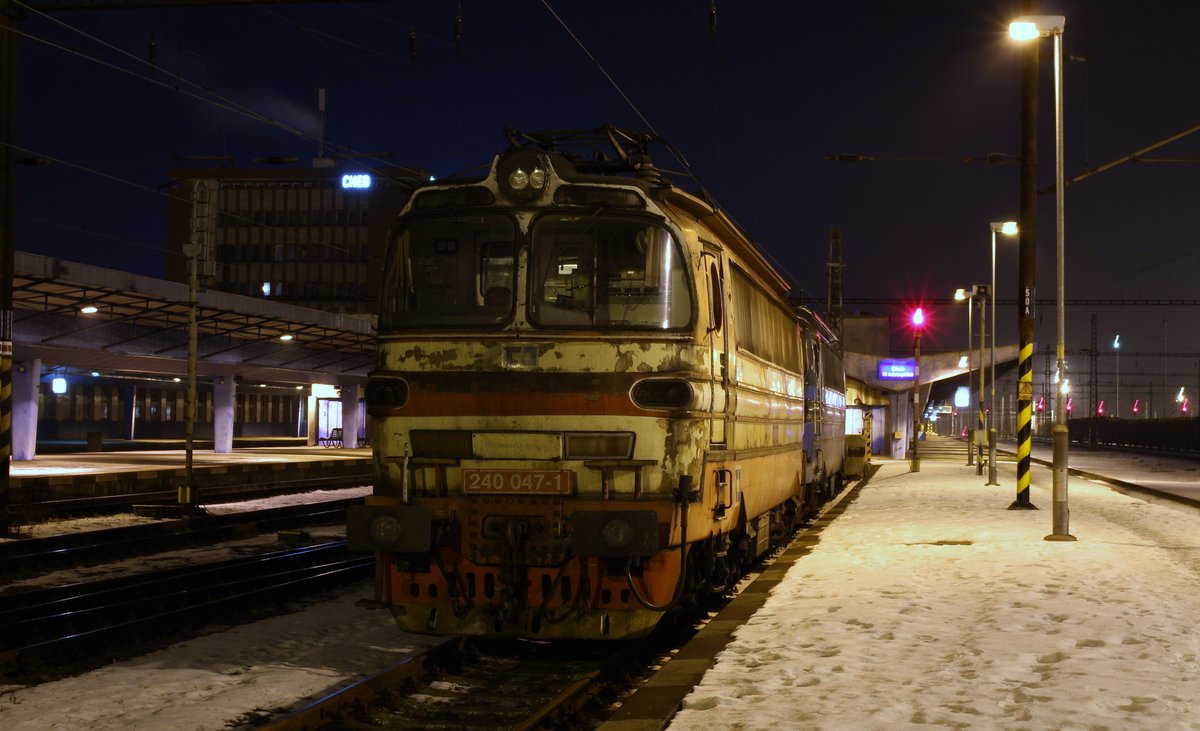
pixel 918 599
pixel 76 475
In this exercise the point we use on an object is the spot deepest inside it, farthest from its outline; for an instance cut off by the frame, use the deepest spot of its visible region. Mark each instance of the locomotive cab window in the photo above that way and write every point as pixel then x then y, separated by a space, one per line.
pixel 607 272
pixel 451 271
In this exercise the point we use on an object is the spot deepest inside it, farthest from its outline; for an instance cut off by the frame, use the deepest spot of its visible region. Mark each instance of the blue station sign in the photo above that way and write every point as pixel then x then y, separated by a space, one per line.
pixel 897 369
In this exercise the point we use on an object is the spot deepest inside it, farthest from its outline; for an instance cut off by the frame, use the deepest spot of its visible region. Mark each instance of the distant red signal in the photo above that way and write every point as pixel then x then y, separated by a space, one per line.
pixel 918 318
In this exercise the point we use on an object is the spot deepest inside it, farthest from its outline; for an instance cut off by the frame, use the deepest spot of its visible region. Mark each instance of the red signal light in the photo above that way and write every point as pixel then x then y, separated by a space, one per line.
pixel 918 318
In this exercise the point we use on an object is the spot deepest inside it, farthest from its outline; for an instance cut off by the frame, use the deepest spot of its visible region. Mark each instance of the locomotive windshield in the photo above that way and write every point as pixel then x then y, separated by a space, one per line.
pixel 608 272
pixel 451 271
pixel 594 272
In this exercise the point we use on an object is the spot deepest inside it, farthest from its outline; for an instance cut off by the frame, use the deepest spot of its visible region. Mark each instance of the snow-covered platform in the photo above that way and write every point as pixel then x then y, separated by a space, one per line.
pixel 923 601
pixel 92 474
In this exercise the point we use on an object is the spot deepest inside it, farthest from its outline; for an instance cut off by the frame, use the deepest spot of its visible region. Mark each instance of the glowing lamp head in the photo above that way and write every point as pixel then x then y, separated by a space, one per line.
pixel 1028 27
pixel 918 318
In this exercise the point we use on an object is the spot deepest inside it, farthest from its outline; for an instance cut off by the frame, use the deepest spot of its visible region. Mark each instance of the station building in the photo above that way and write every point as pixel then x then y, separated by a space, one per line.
pixel 312 237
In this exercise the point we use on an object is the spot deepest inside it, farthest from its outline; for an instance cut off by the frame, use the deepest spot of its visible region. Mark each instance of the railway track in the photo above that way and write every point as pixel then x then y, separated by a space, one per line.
pixel 32 556
pixel 90 623
pixel 467 684
pixel 31 512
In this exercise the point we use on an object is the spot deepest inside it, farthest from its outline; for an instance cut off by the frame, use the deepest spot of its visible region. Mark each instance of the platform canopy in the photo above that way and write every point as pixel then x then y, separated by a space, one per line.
pixel 140 325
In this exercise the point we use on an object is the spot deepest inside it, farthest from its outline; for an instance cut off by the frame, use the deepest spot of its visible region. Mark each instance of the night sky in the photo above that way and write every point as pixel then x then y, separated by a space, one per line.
pixel 928 90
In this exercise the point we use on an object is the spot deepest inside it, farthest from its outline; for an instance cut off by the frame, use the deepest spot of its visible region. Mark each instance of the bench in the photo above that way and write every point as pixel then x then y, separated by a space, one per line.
pixel 333 440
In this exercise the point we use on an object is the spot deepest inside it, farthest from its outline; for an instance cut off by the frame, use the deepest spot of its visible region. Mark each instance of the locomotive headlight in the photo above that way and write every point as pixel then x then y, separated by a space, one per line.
pixel 662 394
pixel 385 530
pixel 614 533
pixel 385 393
pixel 523 176
pixel 618 533
pixel 537 178
pixel 392 528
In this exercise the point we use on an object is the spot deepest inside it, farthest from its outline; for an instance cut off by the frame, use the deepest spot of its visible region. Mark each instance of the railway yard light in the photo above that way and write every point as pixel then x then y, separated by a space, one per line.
pixel 1008 228
pixel 1027 28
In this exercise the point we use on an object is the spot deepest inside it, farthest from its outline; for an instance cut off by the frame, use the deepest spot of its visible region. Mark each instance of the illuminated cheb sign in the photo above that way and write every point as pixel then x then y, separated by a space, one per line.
pixel 356 181
pixel 897 370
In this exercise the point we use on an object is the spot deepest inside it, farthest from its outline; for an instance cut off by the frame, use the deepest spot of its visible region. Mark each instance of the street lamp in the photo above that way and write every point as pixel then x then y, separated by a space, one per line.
pixel 962 295
pixel 1008 228
pixel 1117 348
pixel 1027 28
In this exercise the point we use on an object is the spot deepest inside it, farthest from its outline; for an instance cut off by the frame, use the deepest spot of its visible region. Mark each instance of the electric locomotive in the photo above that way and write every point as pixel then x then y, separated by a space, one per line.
pixel 593 401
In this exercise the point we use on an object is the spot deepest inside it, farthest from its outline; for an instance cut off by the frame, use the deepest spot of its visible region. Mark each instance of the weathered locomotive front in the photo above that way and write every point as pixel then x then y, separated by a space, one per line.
pixel 540 409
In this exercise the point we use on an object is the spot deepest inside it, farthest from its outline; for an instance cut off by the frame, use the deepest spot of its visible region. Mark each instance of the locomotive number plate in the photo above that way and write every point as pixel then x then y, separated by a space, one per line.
pixel 517 482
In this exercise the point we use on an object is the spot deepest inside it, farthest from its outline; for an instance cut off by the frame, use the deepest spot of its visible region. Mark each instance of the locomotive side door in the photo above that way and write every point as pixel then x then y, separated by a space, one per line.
pixel 718 344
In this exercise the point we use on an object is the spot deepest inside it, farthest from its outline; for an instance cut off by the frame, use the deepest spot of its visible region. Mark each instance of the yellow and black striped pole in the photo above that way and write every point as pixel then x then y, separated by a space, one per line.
pixel 1024 426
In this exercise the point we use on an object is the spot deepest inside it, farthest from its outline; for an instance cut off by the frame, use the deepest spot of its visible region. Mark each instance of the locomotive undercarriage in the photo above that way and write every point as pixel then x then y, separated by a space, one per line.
pixel 521 584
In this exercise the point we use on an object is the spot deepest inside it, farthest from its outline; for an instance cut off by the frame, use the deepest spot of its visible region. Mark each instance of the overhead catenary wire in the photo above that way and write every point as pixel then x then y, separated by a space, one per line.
pixel 675 152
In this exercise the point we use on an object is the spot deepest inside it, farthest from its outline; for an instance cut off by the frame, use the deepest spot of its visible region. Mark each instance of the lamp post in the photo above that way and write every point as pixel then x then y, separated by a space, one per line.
pixel 1117 348
pixel 981 296
pixel 961 295
pixel 918 322
pixel 1027 28
pixel 1008 228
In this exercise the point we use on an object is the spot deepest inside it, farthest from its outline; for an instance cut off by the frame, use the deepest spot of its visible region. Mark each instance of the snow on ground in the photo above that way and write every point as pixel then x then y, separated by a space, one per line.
pixel 928 604
pixel 229 675
pixel 221 680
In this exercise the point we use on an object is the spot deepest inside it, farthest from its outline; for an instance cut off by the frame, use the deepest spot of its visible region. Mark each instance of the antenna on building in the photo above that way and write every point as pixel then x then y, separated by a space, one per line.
pixel 320 161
